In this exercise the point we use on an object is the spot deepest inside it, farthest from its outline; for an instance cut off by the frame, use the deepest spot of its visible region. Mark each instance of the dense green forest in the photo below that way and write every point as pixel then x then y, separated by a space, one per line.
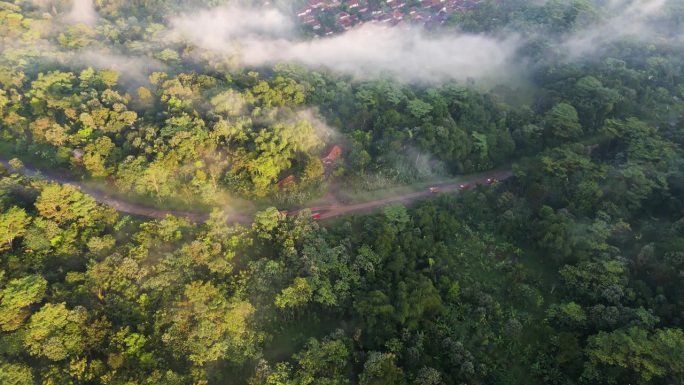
pixel 570 272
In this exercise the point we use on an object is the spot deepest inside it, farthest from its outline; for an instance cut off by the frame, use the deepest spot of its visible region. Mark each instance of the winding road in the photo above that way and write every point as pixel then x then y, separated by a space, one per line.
pixel 322 212
pixel 332 211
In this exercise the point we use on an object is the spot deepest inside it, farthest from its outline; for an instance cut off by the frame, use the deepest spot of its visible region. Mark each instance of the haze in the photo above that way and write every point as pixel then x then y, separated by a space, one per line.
pixel 258 38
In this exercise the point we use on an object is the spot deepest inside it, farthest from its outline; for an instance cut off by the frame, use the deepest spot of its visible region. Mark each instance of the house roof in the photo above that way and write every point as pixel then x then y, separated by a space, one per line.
pixel 333 154
pixel 285 181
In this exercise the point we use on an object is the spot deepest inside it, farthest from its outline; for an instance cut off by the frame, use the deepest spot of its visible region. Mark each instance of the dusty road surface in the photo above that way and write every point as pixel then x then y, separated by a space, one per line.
pixel 327 212
pixel 324 212
pixel 120 205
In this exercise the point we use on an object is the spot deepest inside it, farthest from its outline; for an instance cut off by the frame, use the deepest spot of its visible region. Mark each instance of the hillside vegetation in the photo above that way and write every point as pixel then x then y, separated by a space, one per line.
pixel 570 272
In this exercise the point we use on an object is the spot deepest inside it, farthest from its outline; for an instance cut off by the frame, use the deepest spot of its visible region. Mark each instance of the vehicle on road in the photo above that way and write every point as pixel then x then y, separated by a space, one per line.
pixel 464 186
pixel 316 216
pixel 491 181
pixel 434 189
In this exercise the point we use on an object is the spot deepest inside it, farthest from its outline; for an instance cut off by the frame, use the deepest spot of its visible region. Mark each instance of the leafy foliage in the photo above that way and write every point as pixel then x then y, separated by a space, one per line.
pixel 568 273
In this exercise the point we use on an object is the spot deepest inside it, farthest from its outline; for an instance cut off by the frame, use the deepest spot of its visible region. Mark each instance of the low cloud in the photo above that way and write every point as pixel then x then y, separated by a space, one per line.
pixel 406 53
pixel 215 28
pixel 82 11
pixel 134 69
pixel 257 38
pixel 326 133
pixel 633 19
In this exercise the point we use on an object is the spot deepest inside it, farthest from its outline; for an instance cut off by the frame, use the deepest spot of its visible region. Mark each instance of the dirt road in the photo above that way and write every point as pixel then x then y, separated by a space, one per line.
pixel 120 205
pixel 325 212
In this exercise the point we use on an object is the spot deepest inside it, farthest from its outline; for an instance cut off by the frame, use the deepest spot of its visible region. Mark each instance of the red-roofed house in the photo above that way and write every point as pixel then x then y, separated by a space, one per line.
pixel 285 181
pixel 431 3
pixel 313 4
pixel 334 153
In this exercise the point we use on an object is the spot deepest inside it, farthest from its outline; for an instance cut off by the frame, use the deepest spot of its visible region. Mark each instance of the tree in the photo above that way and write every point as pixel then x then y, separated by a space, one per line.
pixel 588 281
pixel 419 109
pixel 4 101
pixel 638 355
pixel 562 122
pixel 375 309
pixel 594 101
pixel 96 158
pixel 554 233
pixel 266 222
pixel 13 224
pixel 230 103
pixel 295 295
pixel 397 216
pixel 204 326
pixel 15 374
pixel 66 204
pixel 324 363
pixel 16 164
pixel 567 315
pixel 429 376
pixel 56 333
pixel 381 369
pixel 16 297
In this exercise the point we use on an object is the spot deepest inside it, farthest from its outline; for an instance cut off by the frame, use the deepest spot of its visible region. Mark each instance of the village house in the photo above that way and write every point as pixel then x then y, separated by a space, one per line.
pixel 286 181
pixel 313 4
pixel 346 14
pixel 431 3
pixel 397 15
pixel 333 154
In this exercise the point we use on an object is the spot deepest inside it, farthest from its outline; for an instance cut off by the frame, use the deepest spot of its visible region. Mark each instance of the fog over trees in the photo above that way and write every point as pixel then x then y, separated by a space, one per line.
pixel 257 126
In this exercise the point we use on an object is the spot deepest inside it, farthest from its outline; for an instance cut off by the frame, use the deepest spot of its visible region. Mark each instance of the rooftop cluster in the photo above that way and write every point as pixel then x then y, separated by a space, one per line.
pixel 326 17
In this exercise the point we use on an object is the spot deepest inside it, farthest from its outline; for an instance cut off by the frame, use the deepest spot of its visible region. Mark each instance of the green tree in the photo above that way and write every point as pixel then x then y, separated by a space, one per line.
pixel 66 204
pixel 324 363
pixel 295 295
pixel 56 333
pixel 16 297
pixel 15 374
pixel 13 224
pixel 381 369
pixel 570 315
pixel 419 109
pixel 638 355
pixel 562 122
pixel 96 158
pixel 205 326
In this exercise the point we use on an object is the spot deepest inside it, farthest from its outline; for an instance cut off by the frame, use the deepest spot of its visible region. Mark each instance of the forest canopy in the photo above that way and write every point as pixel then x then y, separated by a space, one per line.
pixel 570 271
